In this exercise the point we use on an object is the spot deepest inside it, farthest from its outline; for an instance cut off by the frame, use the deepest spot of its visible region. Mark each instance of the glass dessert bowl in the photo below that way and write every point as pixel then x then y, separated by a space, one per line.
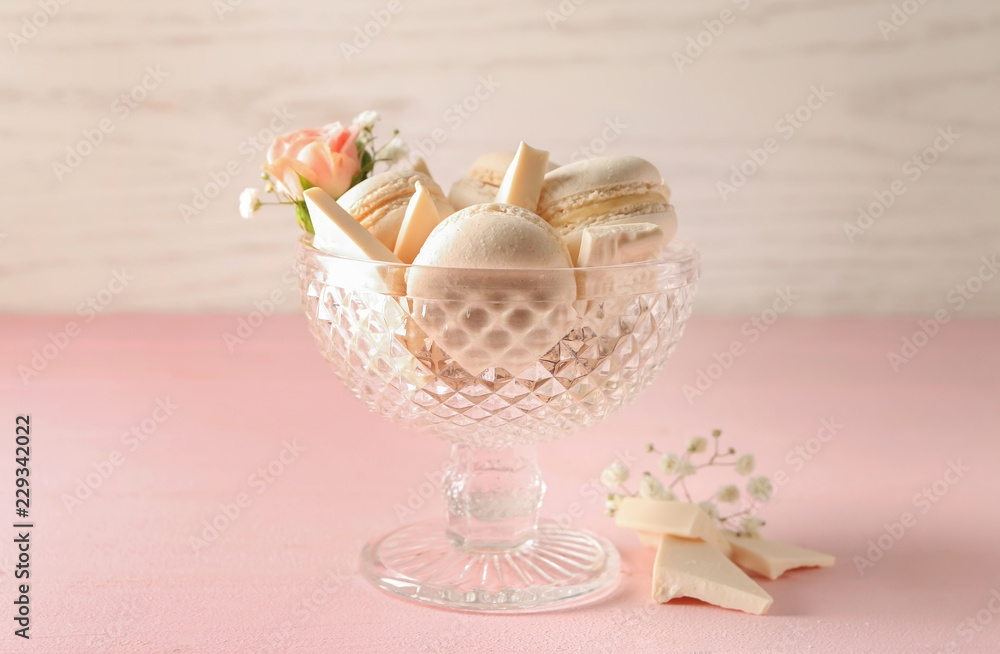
pixel 495 361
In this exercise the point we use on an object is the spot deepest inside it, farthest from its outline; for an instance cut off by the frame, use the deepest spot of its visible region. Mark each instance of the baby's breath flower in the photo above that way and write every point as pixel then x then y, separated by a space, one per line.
pixel 686 469
pixel 728 493
pixel 612 504
pixel 394 150
pixel 651 488
pixel 751 526
pixel 614 475
pixel 366 119
pixel 249 202
pixel 760 488
pixel 745 464
pixel 710 509
pixel 670 464
pixel 698 444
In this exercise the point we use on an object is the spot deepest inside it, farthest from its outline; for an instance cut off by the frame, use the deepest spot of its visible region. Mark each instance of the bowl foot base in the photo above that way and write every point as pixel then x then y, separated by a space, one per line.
pixel 556 568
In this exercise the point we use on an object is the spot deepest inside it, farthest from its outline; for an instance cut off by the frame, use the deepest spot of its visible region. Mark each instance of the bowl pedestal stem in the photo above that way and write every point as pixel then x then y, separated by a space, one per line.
pixel 492 553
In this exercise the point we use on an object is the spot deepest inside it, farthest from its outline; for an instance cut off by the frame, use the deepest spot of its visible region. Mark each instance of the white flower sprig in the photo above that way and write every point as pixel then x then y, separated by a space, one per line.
pixel 678 468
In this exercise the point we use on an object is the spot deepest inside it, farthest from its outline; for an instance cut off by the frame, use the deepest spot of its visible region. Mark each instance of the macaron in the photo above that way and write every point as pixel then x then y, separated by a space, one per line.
pixel 483 180
pixel 482 288
pixel 379 202
pixel 605 191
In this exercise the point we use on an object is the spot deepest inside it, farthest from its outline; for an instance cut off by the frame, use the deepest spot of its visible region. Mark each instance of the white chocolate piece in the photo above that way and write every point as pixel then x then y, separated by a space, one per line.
pixel 772 559
pixel 337 232
pixel 693 568
pixel 673 518
pixel 420 166
pixel 420 220
pixel 522 184
pixel 666 220
pixel 608 245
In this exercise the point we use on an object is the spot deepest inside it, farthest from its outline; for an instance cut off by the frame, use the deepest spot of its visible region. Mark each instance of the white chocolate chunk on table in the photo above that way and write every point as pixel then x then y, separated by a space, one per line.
pixel 772 559
pixel 692 568
pixel 674 518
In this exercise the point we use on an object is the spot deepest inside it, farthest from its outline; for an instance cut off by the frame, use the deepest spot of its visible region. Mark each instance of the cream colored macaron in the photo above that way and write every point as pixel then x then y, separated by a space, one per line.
pixel 481 183
pixel 379 202
pixel 493 285
pixel 604 191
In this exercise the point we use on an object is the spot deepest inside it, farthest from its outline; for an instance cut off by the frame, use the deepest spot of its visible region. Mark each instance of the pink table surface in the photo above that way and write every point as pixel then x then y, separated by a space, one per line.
pixel 118 571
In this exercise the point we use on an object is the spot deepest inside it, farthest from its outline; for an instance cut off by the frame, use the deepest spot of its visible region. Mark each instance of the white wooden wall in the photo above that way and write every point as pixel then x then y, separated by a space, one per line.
pixel 557 85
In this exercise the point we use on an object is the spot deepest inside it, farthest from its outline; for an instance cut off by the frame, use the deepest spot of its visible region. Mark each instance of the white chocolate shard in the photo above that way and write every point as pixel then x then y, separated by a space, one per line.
pixel 522 184
pixel 693 568
pixel 608 245
pixel 772 559
pixel 420 220
pixel 337 232
pixel 673 518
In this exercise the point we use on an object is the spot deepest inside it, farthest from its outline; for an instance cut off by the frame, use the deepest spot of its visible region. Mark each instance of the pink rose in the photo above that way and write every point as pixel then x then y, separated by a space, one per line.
pixel 326 157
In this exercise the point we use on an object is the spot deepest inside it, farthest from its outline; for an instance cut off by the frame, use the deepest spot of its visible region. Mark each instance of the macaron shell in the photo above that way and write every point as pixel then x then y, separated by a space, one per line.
pixel 379 202
pixel 494 236
pixel 489 300
pixel 588 175
pixel 594 191
pixel 467 191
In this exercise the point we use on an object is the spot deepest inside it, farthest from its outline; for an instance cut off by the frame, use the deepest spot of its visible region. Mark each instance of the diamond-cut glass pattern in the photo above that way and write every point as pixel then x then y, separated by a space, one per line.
pixel 611 350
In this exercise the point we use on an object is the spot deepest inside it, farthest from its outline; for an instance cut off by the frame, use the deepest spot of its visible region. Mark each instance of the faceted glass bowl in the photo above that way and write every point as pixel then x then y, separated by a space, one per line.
pixel 495 361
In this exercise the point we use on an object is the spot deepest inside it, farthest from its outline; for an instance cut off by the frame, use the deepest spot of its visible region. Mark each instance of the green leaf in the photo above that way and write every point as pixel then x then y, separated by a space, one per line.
pixel 302 215
pixel 306 184
pixel 367 163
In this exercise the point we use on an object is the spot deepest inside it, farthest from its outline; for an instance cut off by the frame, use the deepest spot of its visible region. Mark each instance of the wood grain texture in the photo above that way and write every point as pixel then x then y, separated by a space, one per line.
pixel 556 86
